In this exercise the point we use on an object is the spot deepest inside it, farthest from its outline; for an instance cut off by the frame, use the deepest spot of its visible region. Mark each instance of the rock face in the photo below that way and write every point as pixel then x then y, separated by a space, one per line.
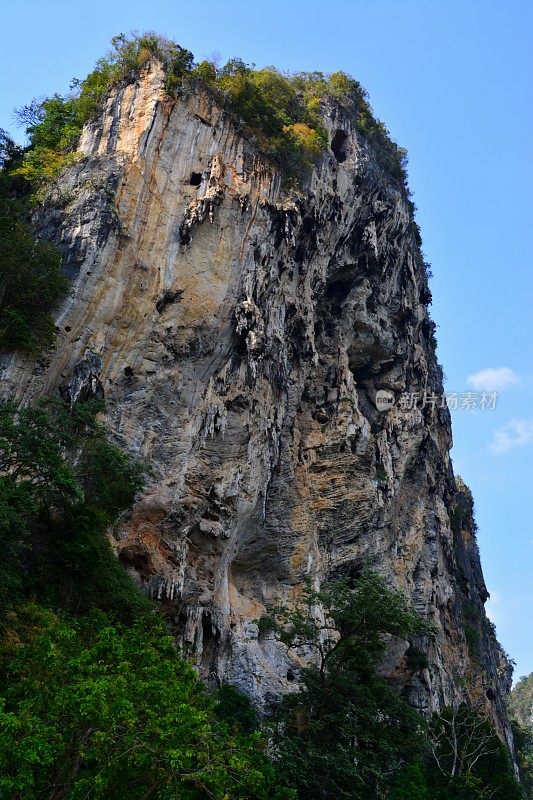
pixel 240 338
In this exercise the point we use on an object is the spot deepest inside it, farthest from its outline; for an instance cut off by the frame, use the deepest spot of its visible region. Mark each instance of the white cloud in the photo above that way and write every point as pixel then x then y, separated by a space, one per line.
pixel 516 433
pixel 492 379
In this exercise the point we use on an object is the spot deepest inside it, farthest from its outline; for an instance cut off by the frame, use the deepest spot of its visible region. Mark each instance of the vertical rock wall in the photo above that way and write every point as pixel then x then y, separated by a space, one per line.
pixel 240 338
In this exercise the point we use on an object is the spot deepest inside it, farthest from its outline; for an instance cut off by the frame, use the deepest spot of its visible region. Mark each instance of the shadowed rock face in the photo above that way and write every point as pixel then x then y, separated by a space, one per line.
pixel 241 338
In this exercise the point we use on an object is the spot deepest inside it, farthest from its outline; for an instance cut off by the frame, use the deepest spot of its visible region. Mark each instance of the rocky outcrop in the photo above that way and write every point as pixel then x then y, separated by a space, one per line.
pixel 240 336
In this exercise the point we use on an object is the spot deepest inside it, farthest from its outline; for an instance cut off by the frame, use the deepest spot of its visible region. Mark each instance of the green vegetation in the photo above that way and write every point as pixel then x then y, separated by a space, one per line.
pixel 280 113
pixel 469 762
pixel 62 484
pixel 277 117
pixel 95 701
pixel 521 701
pixel 521 712
pixel 523 741
pixel 54 125
pixel 31 283
pixel 31 286
pixel 463 509
pixel 347 732
pixel 234 708
pixel 94 709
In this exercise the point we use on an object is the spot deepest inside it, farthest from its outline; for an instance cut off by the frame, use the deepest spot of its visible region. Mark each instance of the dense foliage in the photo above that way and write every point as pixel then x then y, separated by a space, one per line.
pixel 55 124
pixel 523 741
pixel 94 709
pixel 469 761
pixel 280 113
pixel 31 283
pixel 62 484
pixel 349 734
pixel 521 712
pixel 521 701
pixel 95 701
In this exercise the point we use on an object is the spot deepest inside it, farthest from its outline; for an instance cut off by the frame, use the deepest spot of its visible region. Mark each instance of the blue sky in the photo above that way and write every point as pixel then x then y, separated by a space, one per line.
pixel 452 82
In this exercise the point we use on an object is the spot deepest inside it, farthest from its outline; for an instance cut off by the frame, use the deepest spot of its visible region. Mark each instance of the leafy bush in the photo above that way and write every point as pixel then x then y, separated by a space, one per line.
pixel 472 639
pixel 410 783
pixel 62 484
pixel 271 112
pixel 523 741
pixel 234 708
pixel 31 285
pixel 281 114
pixel 55 124
pixel 90 708
pixel 348 734
pixel 42 165
pixel 521 713
pixel 521 701
pixel 52 123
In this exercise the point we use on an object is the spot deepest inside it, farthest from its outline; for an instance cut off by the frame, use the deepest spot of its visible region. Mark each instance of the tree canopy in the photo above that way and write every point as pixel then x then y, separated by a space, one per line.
pixel 90 708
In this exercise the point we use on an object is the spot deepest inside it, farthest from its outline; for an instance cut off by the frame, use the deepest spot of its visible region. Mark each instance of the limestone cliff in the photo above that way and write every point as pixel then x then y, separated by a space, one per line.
pixel 240 337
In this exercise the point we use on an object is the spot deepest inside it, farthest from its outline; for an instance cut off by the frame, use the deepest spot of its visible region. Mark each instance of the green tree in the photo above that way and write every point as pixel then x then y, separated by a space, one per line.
pixel 347 731
pixel 523 741
pixel 280 113
pixel 521 713
pixel 235 708
pixel 92 709
pixel 410 783
pixel 521 701
pixel 62 484
pixel 17 508
pixel 31 285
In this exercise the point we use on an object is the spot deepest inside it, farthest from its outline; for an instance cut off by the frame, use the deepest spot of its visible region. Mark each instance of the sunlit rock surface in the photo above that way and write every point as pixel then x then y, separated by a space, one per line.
pixel 240 338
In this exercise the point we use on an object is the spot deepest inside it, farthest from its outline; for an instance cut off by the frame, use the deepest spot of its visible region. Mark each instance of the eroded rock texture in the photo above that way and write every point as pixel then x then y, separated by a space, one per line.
pixel 240 338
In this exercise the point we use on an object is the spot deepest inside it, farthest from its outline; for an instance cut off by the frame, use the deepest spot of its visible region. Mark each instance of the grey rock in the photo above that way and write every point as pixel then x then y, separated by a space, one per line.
pixel 252 391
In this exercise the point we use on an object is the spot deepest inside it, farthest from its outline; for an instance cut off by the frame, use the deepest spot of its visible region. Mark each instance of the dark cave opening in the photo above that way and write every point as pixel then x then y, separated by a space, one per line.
pixel 338 145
